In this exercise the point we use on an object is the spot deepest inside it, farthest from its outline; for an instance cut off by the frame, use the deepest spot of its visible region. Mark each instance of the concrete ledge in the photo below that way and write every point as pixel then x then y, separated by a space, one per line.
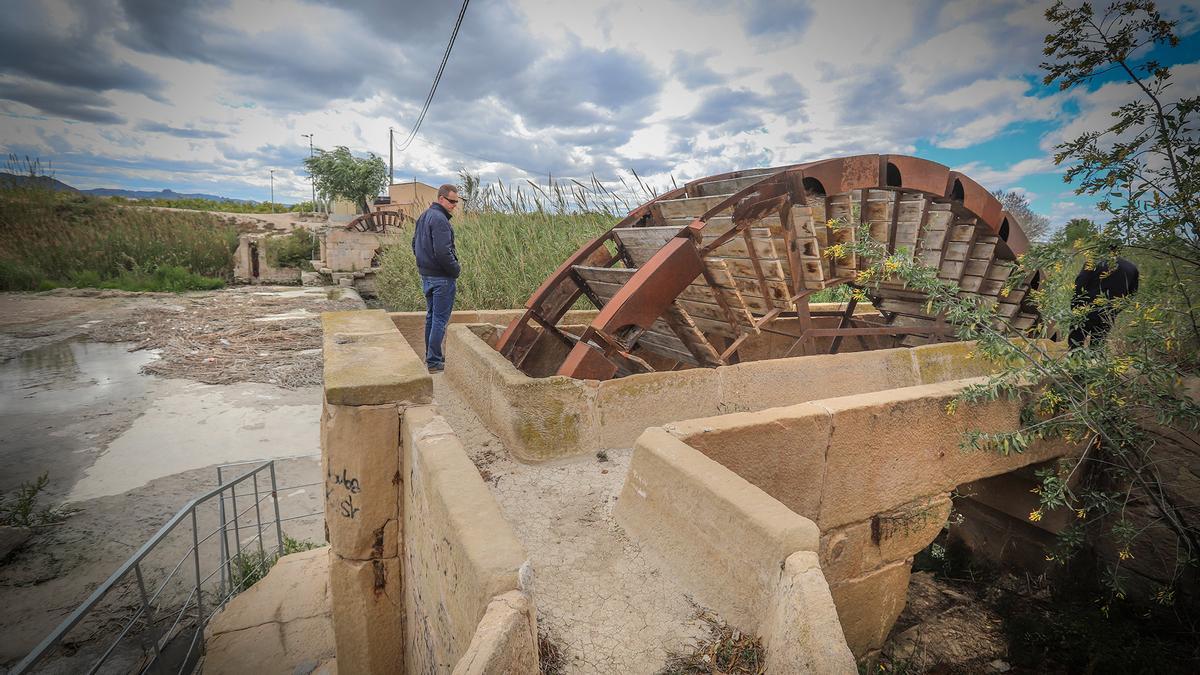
pixel 459 552
pixel 724 538
pixel 545 418
pixel 868 453
pixel 278 624
pixel 506 641
pixel 801 631
pixel 368 362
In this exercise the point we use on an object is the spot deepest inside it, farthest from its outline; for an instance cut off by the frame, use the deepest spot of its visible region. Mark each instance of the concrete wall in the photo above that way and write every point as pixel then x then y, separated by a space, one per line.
pixel 873 470
pixel 737 549
pixel 351 251
pixel 460 553
pixel 418 550
pixel 549 417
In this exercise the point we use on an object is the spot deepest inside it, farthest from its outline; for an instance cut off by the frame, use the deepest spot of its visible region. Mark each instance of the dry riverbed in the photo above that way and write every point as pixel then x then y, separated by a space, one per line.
pixel 128 402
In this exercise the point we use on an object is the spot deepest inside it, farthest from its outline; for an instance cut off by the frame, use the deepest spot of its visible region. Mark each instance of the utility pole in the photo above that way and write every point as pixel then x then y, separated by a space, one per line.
pixel 391 158
pixel 272 190
pixel 310 176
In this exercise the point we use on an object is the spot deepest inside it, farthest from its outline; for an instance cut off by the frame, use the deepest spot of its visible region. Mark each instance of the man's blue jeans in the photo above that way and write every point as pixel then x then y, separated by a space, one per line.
pixel 439 301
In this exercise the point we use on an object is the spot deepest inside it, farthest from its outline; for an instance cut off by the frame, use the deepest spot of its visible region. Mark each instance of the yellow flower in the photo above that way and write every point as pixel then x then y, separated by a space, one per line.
pixel 1004 292
pixel 890 265
pixel 1035 515
pixel 1049 558
pixel 1124 554
pixel 1080 513
pixel 951 407
pixel 832 222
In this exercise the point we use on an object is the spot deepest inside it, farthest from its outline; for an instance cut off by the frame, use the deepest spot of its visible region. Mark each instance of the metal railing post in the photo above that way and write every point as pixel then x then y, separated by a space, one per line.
pixel 199 581
pixel 224 562
pixel 151 617
pixel 262 552
pixel 237 530
pixel 275 500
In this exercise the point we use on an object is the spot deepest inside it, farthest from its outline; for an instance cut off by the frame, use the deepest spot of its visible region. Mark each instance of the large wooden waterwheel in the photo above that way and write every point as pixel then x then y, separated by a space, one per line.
pixel 691 275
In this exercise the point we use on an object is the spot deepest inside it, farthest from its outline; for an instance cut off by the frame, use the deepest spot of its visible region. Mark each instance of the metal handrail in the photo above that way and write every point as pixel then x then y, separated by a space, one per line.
pixel 134 561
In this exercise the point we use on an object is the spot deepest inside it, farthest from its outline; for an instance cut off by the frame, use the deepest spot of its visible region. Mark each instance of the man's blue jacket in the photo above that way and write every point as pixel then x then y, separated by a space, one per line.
pixel 433 244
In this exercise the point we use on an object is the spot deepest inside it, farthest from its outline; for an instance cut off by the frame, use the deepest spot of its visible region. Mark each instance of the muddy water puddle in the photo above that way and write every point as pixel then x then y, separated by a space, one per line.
pixel 83 413
pixel 60 401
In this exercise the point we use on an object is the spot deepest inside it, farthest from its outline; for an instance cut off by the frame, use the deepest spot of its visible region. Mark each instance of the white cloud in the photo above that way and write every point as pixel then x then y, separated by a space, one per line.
pixel 533 86
pixel 1000 179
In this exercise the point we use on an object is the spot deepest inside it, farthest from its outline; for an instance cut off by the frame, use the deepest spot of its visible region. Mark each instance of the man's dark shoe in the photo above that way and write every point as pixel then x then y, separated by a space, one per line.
pixel 436 369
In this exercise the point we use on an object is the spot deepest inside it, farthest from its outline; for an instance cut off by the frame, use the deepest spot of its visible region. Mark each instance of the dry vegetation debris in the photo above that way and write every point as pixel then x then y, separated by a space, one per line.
pixel 236 335
pixel 724 650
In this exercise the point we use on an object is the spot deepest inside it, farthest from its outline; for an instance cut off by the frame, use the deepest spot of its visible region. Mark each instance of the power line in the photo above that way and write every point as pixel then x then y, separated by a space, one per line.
pixel 437 78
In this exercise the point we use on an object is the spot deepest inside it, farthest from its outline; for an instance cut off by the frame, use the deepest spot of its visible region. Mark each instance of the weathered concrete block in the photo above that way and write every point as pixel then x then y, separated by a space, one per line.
pixel 853 550
pixel 538 419
pixel 361 459
pixel 758 385
pixel 690 510
pixel 949 361
pixel 368 614
pixel 472 367
pixel 868 606
pixel 506 640
pixel 628 405
pixel 546 418
pixel 311 279
pixel 277 624
pixel 367 362
pixel 892 447
pixel 459 552
pixel 781 450
pixel 801 630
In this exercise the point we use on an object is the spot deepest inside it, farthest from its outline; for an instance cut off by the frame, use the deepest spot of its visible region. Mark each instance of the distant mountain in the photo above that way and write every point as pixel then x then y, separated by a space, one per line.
pixel 161 194
pixel 57 185
pixel 45 182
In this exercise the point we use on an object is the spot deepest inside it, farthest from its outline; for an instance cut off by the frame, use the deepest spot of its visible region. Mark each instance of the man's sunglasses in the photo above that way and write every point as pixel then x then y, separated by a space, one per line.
pixel 452 201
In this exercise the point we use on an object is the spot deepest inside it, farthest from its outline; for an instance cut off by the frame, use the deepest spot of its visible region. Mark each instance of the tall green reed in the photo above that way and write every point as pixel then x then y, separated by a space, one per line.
pixel 52 239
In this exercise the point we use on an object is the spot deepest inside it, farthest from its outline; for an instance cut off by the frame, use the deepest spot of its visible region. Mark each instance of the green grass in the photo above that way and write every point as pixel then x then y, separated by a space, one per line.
pixel 249 567
pixel 504 256
pixel 293 250
pixel 49 240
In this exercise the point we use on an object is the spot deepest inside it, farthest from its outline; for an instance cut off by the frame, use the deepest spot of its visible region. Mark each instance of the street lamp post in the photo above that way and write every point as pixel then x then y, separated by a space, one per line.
pixel 310 176
pixel 272 190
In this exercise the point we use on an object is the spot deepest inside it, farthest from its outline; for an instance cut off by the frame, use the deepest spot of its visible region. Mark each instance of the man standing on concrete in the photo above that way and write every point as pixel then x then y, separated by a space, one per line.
pixel 437 262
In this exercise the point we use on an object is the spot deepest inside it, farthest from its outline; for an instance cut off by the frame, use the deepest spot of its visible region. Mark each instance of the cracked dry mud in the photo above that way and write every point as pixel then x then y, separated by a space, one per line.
pixel 607 602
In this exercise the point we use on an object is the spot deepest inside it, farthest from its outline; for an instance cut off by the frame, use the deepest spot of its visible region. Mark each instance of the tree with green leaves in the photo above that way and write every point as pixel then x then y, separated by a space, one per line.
pixel 1122 403
pixel 338 174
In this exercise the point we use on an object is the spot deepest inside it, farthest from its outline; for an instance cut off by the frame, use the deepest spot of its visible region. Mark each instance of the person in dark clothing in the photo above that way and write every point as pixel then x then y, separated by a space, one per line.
pixel 437 262
pixel 1104 281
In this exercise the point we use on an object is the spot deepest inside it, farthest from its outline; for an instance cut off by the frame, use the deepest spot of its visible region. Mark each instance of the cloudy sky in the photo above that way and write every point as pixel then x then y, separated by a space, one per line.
pixel 209 95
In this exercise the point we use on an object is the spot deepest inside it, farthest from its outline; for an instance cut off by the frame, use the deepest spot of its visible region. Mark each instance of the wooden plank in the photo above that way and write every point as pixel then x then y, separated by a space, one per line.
pixel 688 207
pixel 714 312
pixel 643 237
pixel 711 327
pixel 729 186
pixel 609 275
pixel 689 333
pixel 666 345
pixel 741 247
